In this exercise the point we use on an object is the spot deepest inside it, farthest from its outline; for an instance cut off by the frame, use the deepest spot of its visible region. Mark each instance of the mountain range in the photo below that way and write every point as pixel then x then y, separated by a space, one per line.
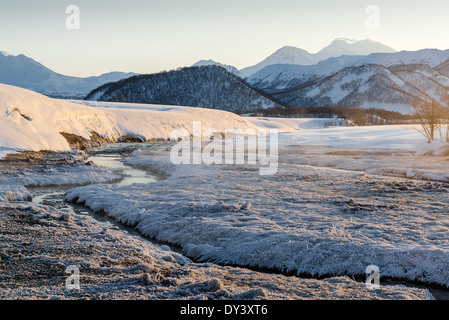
pixel 391 81
pixel 337 48
pixel 22 71
pixel 345 73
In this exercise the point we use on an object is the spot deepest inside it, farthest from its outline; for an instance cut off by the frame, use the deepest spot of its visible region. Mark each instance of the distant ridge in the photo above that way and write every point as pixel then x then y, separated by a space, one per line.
pixel 24 72
pixel 338 47
pixel 209 86
pixel 390 81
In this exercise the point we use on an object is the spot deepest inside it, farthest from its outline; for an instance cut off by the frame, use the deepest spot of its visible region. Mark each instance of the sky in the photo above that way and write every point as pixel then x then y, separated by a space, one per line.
pixel 147 36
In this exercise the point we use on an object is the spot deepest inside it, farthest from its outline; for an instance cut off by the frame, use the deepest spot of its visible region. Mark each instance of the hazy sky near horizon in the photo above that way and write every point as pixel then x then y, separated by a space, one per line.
pixel 148 36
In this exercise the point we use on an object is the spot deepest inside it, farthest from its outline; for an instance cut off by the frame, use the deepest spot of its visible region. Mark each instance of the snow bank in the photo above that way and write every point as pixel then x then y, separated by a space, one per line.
pixel 60 177
pixel 389 162
pixel 435 148
pixel 156 121
pixel 31 121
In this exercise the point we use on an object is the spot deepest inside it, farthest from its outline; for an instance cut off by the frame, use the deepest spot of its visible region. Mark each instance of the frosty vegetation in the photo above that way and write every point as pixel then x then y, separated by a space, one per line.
pixel 42 243
pixel 303 220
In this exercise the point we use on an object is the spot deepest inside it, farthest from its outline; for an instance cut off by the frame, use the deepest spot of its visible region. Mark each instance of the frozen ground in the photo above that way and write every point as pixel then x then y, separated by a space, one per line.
pixel 304 219
pixel 39 243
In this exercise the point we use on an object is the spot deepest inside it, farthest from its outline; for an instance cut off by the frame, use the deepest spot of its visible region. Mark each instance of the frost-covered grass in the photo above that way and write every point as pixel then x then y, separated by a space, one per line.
pixel 40 243
pixel 10 192
pixel 304 220
pixel 397 163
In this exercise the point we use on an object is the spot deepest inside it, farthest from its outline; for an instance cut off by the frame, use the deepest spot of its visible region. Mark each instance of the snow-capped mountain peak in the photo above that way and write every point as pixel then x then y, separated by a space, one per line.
pixel 284 55
pixel 206 63
pixel 337 48
pixel 343 46
pixel 211 62
pixel 291 55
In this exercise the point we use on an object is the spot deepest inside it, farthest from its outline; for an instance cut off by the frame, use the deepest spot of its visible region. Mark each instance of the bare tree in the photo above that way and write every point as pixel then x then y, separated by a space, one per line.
pixel 429 117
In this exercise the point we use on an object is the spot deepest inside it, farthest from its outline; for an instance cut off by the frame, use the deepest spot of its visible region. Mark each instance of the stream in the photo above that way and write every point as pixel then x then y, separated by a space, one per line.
pixel 112 156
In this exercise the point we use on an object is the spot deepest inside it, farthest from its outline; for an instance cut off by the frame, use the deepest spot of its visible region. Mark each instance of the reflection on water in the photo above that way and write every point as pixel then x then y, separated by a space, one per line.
pixel 54 196
pixel 130 175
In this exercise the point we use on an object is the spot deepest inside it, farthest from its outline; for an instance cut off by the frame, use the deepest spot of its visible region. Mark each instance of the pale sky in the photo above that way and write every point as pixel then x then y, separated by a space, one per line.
pixel 147 36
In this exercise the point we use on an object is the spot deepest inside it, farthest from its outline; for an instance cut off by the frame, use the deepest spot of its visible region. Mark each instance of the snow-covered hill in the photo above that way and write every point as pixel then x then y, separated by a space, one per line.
pixel 338 47
pixel 205 87
pixel 369 86
pixel 24 72
pixel 31 121
pixel 394 88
